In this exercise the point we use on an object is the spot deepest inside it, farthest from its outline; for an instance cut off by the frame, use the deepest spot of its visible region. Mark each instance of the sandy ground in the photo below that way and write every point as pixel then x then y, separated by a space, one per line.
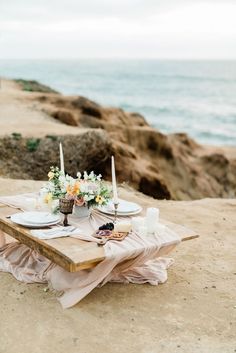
pixel 194 311
pixel 21 115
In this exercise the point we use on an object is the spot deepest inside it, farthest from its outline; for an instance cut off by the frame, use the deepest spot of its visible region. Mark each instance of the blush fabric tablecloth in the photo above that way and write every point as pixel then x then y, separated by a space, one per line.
pixel 136 259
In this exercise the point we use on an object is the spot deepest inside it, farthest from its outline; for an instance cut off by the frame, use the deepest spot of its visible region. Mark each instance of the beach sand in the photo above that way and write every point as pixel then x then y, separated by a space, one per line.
pixel 193 312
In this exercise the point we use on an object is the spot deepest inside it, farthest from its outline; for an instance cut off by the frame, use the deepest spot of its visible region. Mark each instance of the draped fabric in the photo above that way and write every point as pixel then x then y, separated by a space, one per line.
pixel 136 259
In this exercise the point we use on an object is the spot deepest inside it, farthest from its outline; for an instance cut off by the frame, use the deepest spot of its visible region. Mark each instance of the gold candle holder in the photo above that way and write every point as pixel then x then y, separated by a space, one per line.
pixel 116 209
pixel 66 207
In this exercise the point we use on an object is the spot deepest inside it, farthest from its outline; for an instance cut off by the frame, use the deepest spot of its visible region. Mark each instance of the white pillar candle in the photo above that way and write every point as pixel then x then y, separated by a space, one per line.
pixel 137 223
pixel 143 231
pixel 123 226
pixel 61 159
pixel 114 186
pixel 152 219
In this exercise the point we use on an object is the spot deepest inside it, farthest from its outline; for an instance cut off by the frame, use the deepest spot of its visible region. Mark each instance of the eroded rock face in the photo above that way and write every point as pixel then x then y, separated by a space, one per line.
pixel 32 158
pixel 163 166
pixel 87 113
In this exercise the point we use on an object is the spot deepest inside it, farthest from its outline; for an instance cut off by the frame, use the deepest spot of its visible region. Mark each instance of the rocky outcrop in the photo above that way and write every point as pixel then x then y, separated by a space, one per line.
pixel 32 158
pixel 163 166
pixel 34 86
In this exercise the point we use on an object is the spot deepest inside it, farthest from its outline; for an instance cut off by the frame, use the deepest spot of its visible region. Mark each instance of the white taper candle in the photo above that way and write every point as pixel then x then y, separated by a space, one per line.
pixel 114 186
pixel 61 159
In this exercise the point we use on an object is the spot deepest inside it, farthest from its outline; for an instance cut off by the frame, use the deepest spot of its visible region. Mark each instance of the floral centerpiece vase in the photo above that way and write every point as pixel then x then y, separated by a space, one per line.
pixel 87 191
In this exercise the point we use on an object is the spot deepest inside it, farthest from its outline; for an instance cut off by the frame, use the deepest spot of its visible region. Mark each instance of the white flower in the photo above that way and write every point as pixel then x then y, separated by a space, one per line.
pixel 63 188
pixel 79 175
pixel 84 187
pixel 99 177
pixel 62 178
pixel 70 180
pixel 86 176
pixel 88 197
pixel 50 186
pixel 92 176
pixel 93 188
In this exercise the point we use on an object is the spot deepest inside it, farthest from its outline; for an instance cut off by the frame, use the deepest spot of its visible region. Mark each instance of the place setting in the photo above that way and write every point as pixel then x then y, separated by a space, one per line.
pixel 43 225
pixel 79 197
pixel 125 208
pixel 35 219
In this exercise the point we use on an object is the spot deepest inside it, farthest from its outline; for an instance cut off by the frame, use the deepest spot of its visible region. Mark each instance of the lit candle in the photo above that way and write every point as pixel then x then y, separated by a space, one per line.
pixel 114 187
pixel 61 159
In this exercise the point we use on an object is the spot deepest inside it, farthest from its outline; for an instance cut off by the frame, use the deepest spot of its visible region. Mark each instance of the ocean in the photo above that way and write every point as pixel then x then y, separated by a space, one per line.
pixel 196 97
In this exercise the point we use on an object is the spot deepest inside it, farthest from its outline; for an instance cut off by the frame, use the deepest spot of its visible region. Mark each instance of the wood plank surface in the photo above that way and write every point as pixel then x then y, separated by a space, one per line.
pixel 184 232
pixel 190 237
pixel 70 253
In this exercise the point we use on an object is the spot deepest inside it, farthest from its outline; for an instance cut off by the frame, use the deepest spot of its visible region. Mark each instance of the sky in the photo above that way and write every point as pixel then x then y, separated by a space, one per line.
pixel 164 29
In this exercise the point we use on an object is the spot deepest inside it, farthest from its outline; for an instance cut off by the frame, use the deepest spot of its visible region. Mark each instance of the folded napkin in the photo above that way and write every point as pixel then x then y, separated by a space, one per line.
pixel 59 232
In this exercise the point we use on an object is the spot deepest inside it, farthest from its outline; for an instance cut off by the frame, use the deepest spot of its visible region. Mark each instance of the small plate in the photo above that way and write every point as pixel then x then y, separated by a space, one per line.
pixel 38 217
pixel 17 218
pixel 123 206
pixel 136 209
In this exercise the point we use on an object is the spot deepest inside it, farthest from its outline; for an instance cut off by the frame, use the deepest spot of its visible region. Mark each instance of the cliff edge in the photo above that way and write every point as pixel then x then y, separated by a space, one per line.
pixel 33 119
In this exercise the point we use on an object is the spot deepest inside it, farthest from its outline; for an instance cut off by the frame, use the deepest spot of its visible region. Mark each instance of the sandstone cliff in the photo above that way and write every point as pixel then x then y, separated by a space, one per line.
pixel 164 166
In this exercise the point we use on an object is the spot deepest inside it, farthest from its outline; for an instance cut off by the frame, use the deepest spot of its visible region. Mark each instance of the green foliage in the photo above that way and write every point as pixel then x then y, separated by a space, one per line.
pixel 32 144
pixel 16 135
pixel 54 184
pixel 34 86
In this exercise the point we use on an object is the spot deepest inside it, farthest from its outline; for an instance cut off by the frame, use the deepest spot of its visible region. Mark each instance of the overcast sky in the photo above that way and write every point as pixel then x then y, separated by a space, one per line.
pixel 173 29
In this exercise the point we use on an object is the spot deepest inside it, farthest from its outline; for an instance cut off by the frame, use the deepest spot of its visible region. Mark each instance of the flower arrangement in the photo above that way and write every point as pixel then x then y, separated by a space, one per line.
pixel 86 190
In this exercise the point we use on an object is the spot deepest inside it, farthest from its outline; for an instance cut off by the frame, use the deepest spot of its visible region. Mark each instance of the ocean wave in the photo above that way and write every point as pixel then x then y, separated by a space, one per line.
pixel 201 79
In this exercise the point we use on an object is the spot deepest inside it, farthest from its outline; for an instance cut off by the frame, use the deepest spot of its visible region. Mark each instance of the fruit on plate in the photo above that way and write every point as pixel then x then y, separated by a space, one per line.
pixel 104 233
pixel 107 226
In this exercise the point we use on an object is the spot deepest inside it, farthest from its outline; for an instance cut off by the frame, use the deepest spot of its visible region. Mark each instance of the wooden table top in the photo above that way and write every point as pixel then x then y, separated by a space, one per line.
pixel 70 253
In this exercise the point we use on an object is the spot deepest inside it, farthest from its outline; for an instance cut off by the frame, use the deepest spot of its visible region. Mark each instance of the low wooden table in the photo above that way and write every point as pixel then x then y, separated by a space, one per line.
pixel 69 253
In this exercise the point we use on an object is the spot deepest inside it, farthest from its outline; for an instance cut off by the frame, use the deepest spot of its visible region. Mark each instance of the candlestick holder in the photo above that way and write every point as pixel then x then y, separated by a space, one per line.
pixel 116 209
pixel 66 207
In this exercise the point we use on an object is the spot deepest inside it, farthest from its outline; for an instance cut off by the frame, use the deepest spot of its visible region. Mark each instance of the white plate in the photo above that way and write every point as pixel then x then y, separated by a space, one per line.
pixel 106 211
pixel 133 209
pixel 124 206
pixel 17 218
pixel 38 217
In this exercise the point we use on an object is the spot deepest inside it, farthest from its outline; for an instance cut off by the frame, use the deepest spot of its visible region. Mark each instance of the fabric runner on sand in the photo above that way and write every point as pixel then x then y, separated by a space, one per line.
pixel 136 259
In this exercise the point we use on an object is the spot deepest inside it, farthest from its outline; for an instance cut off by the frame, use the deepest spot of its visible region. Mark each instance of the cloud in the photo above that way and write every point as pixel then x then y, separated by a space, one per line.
pixel 124 28
pixel 44 10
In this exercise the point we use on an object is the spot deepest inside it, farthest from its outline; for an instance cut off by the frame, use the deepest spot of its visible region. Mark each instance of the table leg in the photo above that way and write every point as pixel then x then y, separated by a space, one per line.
pixel 2 239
